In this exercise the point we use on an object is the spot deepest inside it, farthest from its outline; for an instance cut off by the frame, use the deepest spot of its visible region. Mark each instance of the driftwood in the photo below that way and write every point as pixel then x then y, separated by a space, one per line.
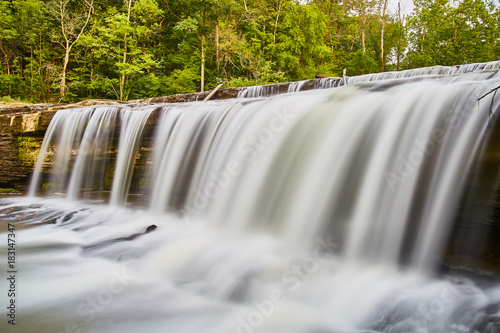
pixel 213 92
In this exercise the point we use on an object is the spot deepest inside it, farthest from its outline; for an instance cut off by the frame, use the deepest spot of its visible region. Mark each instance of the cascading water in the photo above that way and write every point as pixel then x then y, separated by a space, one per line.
pixel 259 91
pixel 333 82
pixel 296 86
pixel 319 211
pixel 130 138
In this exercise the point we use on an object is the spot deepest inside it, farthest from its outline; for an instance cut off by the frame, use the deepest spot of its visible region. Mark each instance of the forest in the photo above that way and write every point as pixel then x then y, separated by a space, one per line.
pixel 70 50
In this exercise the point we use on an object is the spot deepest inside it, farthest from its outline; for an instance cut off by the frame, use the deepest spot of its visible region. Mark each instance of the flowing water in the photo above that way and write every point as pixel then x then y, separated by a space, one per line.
pixel 333 82
pixel 318 211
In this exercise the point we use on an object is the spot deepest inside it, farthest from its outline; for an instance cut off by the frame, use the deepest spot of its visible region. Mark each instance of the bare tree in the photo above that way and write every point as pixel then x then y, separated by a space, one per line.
pixel 363 25
pixel 217 47
pixel 399 35
pixel 202 84
pixel 72 26
pixel 125 49
pixel 382 56
pixel 279 9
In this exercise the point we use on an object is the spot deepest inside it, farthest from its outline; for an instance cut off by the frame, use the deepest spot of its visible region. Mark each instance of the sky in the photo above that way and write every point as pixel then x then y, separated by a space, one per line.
pixel 407 6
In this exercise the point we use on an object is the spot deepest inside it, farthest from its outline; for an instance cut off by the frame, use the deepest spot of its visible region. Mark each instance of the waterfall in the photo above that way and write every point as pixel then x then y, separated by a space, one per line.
pixel 324 210
pixel 89 166
pixel 318 156
pixel 259 91
pixel 329 82
pixel 296 86
pixel 132 129
pixel 69 125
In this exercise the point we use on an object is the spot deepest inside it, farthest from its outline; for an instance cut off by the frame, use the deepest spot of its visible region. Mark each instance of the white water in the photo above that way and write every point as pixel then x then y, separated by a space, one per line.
pixel 287 214
pixel 130 139
pixel 296 86
pixel 259 91
pixel 334 82
pixel 95 142
pixel 70 133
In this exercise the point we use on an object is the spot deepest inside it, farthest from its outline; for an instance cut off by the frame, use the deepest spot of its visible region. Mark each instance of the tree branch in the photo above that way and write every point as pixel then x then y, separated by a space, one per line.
pixel 491 91
pixel 91 6
pixel 494 91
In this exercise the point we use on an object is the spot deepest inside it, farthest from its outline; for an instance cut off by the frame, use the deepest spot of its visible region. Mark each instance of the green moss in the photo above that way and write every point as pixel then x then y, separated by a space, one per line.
pixel 110 172
pixel 24 139
pixel 38 121
pixel 51 187
pixel 27 150
pixel 9 190
pixel 145 184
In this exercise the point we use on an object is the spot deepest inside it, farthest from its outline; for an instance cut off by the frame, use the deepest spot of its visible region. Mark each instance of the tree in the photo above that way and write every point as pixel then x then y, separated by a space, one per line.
pixel 301 48
pixel 442 34
pixel 72 25
pixel 120 43
pixel 363 25
pixel 131 49
pixel 7 34
pixel 382 54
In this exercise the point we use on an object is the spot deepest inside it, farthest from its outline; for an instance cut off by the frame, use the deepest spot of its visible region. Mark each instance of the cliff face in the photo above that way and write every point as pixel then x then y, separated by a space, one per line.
pixel 21 134
pixel 22 128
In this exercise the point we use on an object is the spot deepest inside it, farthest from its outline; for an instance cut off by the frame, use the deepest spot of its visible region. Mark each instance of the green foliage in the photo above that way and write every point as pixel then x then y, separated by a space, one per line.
pixel 180 81
pixel 361 63
pixel 7 99
pixel 160 46
pixel 447 34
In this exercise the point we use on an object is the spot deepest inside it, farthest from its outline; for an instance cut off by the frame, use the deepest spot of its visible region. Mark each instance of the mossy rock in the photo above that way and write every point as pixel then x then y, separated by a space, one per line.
pixel 51 187
pixel 146 183
pixel 9 190
pixel 28 149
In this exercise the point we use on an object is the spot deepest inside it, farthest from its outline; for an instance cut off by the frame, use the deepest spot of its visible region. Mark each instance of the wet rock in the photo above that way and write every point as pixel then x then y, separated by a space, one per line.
pixel 120 239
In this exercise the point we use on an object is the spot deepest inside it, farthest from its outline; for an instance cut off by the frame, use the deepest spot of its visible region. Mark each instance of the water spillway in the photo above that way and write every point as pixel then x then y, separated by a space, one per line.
pixel 333 82
pixel 326 210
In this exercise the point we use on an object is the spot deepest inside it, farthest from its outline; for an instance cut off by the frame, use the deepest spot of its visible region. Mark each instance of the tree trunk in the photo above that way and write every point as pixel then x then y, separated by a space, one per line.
pixel 21 71
pixel 67 23
pixel 399 37
pixel 63 89
pixel 40 55
pixel 6 58
pixel 6 64
pixel 363 26
pixel 382 55
pixel 125 49
pixel 31 71
pixel 217 59
pixel 202 88
pixel 276 22
pixel 280 2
